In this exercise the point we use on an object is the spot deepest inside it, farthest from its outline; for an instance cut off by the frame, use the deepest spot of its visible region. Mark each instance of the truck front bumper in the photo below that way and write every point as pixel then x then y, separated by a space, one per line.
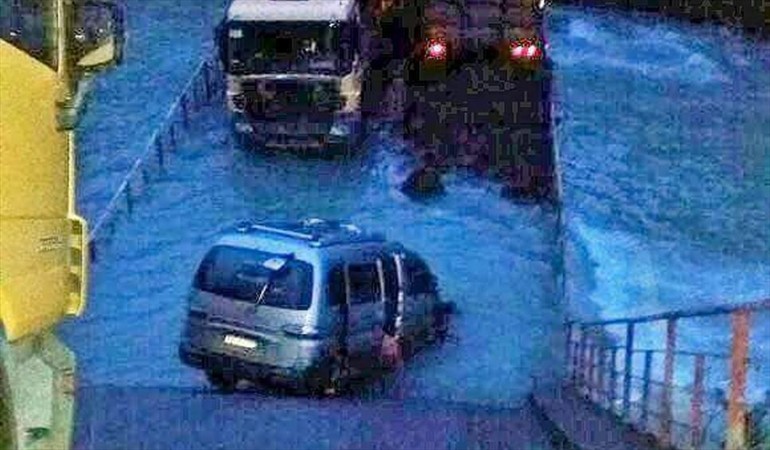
pixel 337 135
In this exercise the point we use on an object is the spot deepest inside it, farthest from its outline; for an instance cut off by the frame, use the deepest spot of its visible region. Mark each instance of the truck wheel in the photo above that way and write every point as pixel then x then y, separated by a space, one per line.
pixel 222 381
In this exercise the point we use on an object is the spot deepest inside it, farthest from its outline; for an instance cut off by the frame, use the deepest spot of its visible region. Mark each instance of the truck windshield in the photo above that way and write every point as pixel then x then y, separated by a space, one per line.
pixel 239 273
pixel 288 47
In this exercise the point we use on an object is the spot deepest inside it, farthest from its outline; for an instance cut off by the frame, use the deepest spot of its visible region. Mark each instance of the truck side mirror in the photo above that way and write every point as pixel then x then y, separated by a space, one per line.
pixel 98 35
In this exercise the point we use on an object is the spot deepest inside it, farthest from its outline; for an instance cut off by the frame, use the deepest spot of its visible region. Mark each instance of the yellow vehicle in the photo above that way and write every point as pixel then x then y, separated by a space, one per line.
pixel 48 49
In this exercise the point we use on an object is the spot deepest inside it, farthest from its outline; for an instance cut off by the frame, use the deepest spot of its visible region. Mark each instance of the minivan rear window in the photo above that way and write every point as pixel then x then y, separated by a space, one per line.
pixel 238 273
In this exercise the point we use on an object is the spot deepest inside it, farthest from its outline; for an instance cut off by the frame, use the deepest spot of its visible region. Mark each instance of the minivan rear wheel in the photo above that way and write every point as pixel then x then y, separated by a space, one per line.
pixel 222 381
pixel 331 381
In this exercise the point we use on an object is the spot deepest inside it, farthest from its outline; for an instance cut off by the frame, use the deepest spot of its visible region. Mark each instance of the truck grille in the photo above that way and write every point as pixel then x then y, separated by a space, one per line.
pixel 277 98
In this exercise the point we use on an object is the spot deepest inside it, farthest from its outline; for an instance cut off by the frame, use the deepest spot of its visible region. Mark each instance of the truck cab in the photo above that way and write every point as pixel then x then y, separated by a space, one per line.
pixel 293 72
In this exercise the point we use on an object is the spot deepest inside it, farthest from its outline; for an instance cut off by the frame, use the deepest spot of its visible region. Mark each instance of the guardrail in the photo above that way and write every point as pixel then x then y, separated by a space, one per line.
pixel 203 87
pixel 596 369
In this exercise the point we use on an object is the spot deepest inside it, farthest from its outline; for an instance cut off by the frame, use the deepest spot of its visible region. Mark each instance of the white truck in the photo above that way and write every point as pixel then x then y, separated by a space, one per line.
pixel 293 70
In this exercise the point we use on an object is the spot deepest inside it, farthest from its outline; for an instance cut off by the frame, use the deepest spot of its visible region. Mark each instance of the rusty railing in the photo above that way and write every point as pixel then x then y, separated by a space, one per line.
pixel 612 371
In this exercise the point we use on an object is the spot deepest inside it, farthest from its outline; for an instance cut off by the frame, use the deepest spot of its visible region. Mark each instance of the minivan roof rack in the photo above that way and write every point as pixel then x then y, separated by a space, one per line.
pixel 316 232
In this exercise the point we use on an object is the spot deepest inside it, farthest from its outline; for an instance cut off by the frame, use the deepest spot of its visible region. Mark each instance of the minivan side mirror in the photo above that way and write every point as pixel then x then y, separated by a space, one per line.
pixel 98 34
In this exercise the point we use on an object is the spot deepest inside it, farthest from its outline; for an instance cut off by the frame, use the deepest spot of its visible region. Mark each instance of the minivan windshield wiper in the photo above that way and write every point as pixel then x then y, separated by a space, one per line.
pixel 264 290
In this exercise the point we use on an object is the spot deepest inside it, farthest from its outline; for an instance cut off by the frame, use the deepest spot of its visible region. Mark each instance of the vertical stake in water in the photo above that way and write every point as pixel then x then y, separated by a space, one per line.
pixel 646 389
pixel 613 389
pixel 667 416
pixel 602 366
pixel 159 150
pixel 696 404
pixel 592 370
pixel 129 200
pixel 568 347
pixel 575 362
pixel 185 111
pixel 627 369
pixel 92 250
pixel 739 360
pixel 172 135
pixel 206 86
pixel 582 360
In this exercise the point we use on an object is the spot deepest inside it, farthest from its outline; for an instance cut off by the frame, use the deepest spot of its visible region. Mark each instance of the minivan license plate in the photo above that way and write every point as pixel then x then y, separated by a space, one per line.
pixel 238 341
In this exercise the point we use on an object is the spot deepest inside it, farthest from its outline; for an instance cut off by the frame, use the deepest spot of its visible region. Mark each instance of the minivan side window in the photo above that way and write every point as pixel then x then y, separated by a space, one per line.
pixel 336 286
pixel 420 279
pixel 364 283
pixel 391 277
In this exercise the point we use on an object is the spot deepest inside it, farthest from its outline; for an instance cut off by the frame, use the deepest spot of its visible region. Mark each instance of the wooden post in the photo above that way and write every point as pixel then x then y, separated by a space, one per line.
pixel 627 370
pixel 696 404
pixel 736 407
pixel 668 384
pixel 646 388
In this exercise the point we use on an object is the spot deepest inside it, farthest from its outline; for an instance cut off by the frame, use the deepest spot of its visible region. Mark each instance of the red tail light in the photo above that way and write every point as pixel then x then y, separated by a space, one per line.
pixel 526 50
pixel 436 50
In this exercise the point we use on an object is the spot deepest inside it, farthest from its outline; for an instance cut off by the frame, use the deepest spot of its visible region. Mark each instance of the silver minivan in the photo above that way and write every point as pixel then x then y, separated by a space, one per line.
pixel 307 303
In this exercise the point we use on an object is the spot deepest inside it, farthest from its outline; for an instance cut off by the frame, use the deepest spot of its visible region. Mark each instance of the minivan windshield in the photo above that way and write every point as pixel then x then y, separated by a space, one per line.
pixel 239 273
pixel 288 47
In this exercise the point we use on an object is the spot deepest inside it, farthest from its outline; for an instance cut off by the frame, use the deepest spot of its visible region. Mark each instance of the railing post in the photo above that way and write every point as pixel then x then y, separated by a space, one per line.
pixel 668 384
pixel 627 369
pixel 613 389
pixel 696 404
pixel 736 407
pixel 602 366
pixel 646 389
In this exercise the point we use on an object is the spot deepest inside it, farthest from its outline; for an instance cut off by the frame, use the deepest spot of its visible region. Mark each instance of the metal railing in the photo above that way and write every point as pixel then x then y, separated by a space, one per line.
pixel 203 87
pixel 608 375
